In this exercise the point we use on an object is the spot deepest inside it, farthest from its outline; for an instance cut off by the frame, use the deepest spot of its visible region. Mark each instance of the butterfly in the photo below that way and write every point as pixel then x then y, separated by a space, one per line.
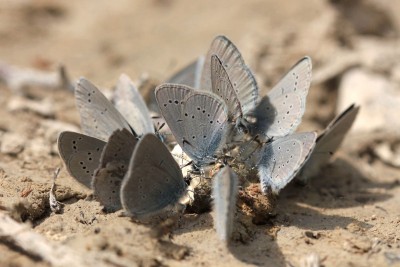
pixel 243 82
pixel 280 111
pixel 153 181
pixel 281 159
pixel 225 190
pixel 197 119
pixel 112 167
pixel 224 72
pixel 190 75
pixel 130 103
pixel 81 155
pixel 328 142
pixel 99 118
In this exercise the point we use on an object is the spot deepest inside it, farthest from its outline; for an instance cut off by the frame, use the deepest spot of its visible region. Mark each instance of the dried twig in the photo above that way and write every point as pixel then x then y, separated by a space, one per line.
pixel 20 236
pixel 17 78
pixel 43 107
pixel 55 205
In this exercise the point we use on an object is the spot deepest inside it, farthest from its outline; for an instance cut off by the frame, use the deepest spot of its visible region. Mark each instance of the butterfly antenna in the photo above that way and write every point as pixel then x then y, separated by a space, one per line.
pixel 182 164
pixel 187 164
pixel 158 133
pixel 133 131
pixel 161 126
pixel 187 142
pixel 156 117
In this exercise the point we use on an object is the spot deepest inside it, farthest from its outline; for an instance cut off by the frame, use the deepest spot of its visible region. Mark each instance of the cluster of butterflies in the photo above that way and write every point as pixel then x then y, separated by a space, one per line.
pixel 214 111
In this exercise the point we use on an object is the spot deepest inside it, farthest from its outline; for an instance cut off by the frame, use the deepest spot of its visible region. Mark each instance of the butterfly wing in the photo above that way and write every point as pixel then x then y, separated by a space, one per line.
pixel 281 110
pixel 170 99
pixel 205 125
pixel 81 155
pixel 239 74
pixel 225 190
pixel 131 105
pixel 283 158
pixel 197 119
pixel 99 118
pixel 328 142
pixel 277 117
pixel 114 163
pixel 189 75
pixel 154 180
pixel 222 87
pixel 249 153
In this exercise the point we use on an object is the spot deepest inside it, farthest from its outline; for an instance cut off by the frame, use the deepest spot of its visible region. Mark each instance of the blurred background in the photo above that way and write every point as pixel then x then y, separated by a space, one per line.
pixel 100 40
pixel 155 38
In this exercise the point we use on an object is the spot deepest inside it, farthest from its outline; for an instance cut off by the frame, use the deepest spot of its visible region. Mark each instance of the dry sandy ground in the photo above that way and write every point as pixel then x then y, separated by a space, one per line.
pixel 349 215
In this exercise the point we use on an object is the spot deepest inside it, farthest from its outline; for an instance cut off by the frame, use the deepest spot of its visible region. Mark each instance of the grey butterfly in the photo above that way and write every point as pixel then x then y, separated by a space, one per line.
pixel 243 81
pixel 154 180
pixel 280 111
pixel 197 119
pixel 328 142
pixel 249 152
pixel 225 190
pixel 189 75
pixel 99 118
pixel 281 159
pixel 81 155
pixel 222 86
pixel 114 163
pixel 131 105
